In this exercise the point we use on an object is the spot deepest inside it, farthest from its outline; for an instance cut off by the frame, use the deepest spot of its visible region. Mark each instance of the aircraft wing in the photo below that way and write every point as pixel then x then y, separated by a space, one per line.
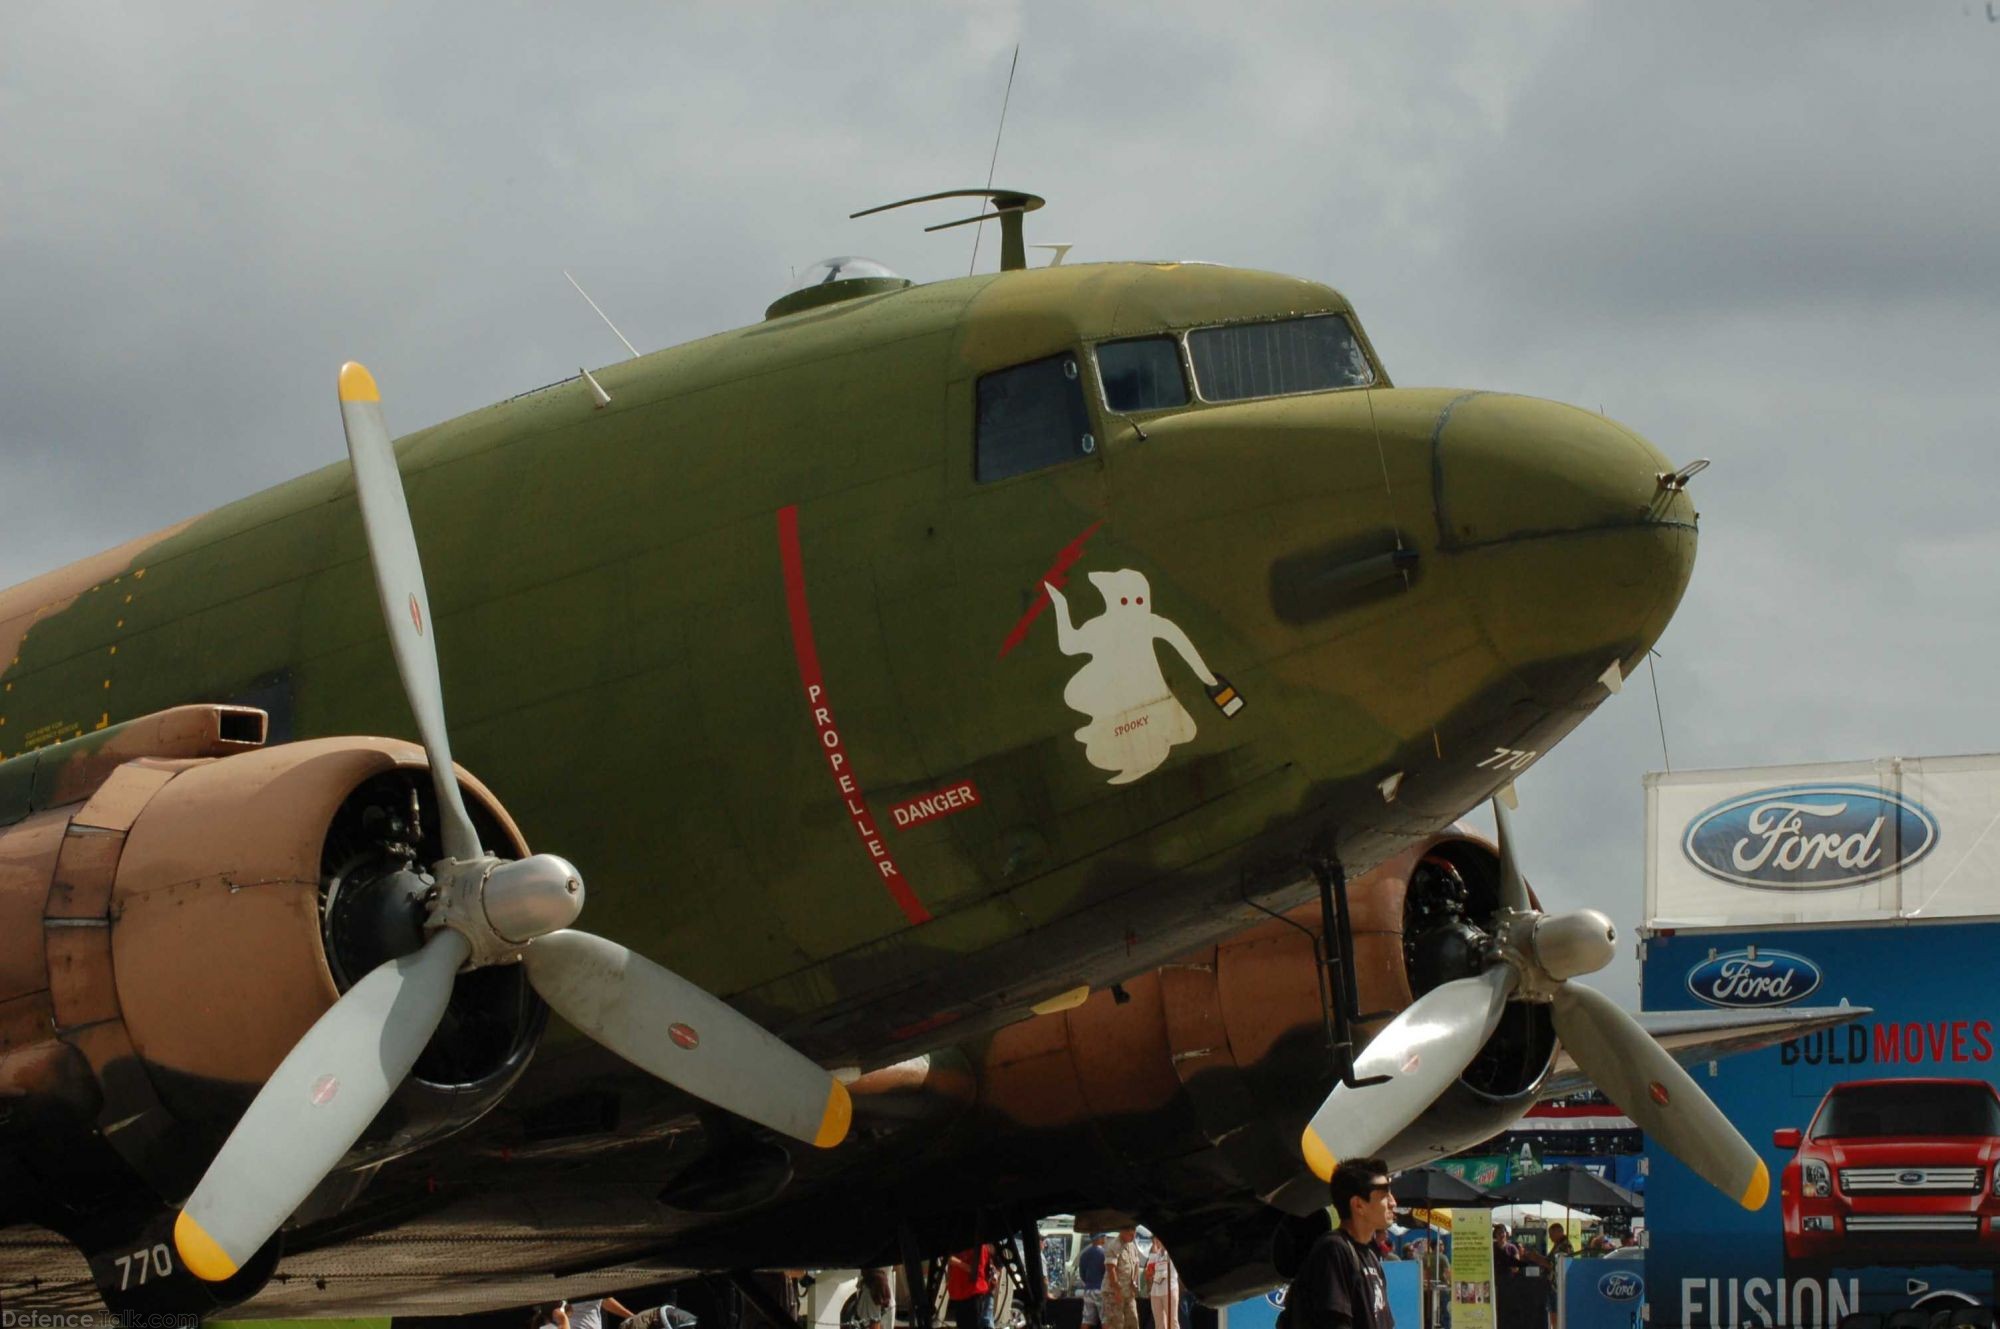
pixel 1693 1037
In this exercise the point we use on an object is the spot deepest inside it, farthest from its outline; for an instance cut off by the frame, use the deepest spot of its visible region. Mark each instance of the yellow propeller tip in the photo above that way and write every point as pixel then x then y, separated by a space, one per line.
pixel 839 1114
pixel 1318 1157
pixel 1758 1191
pixel 199 1252
pixel 357 384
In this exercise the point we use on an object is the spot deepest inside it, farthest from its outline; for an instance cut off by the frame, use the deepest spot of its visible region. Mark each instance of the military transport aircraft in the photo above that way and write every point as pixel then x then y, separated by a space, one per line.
pixel 911 676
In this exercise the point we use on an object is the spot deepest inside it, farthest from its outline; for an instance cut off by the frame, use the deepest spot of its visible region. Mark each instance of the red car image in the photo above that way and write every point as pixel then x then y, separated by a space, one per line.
pixel 1894 1172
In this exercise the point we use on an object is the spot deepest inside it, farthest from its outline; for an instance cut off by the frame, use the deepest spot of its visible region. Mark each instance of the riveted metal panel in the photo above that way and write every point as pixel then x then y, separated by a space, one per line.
pixel 1264 984
pixel 86 866
pixel 80 984
pixel 24 1021
pixel 1030 1076
pixel 27 866
pixel 46 1068
pixel 1124 1063
pixel 118 801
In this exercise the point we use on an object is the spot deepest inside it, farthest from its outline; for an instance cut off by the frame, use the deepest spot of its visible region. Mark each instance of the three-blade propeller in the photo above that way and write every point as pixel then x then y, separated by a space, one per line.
pixel 486 911
pixel 1532 956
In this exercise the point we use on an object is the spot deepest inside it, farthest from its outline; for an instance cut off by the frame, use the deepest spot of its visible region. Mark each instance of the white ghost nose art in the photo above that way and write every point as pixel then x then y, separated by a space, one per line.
pixel 1135 719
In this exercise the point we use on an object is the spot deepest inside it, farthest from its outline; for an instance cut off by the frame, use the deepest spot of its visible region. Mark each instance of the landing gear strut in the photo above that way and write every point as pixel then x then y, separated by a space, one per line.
pixel 1343 996
pixel 923 1293
pixel 1022 1258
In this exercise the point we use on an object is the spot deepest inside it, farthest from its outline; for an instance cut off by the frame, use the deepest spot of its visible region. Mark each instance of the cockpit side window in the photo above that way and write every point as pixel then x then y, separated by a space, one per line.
pixel 1314 354
pixel 1030 417
pixel 1143 374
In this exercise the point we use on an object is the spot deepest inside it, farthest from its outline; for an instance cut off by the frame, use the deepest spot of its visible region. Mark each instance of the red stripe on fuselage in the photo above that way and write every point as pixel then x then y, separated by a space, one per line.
pixel 826 733
pixel 1056 576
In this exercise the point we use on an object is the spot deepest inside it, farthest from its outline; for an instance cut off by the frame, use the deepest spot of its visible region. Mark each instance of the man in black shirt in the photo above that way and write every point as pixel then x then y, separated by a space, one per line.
pixel 1340 1284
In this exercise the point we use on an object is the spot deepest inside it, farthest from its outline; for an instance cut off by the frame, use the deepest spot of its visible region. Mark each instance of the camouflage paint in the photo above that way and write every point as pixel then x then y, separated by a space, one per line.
pixel 620 668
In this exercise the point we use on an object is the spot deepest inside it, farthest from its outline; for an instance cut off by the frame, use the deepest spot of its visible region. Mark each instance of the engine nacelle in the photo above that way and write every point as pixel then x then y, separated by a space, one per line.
pixel 178 905
pixel 1190 1085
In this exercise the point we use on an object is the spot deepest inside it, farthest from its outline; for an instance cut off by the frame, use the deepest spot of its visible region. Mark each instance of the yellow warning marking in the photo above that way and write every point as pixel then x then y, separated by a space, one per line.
pixel 114 650
pixel 107 682
pixel 137 575
pixel 1318 1157
pixel 1063 1001
pixel 357 384
pixel 199 1251
pixel 1759 1189
pixel 45 734
pixel 834 1121
pixel 104 720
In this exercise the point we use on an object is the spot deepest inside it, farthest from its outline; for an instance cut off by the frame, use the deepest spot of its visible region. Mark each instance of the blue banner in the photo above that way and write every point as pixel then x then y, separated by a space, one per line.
pixel 1882 1135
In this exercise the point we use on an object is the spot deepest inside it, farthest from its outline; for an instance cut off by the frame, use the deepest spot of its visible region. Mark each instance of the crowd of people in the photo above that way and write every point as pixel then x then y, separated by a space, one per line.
pixel 1336 1281
pixel 1115 1274
pixel 1510 1255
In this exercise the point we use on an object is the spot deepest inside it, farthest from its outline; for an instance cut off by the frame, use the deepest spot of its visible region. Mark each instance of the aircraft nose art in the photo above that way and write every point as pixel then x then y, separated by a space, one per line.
pixel 1570 546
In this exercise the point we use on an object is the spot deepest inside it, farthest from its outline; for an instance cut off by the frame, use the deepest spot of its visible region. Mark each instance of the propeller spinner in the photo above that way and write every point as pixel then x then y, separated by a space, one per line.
pixel 486 911
pixel 1532 956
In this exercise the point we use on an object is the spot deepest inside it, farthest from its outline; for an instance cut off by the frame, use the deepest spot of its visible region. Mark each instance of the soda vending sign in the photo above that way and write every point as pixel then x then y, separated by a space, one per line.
pixel 1882 1135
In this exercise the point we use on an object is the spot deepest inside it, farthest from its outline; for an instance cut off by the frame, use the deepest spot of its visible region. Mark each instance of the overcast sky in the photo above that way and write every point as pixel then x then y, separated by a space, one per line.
pixel 1761 234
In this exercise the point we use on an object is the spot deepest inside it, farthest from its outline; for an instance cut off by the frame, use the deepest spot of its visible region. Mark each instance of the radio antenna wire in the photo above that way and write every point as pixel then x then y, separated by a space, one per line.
pixel 601 314
pixel 1009 96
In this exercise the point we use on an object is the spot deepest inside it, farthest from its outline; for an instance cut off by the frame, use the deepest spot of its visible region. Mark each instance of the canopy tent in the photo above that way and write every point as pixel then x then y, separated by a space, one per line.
pixel 1434 1188
pixel 1572 1188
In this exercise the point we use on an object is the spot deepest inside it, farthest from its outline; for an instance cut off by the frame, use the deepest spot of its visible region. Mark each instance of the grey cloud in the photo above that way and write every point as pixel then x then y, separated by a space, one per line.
pixel 1706 160
pixel 1764 234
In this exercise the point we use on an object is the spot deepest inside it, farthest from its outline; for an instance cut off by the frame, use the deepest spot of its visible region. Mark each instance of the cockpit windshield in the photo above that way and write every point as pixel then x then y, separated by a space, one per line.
pixel 1313 354
pixel 1143 374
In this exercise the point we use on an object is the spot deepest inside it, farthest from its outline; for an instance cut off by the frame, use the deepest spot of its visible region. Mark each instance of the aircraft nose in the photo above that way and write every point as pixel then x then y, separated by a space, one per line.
pixel 1511 468
pixel 1573 545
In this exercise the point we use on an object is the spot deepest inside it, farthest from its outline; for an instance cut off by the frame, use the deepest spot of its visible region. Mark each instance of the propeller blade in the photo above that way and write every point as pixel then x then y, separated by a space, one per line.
pixel 315 1106
pixel 1513 891
pixel 1423 1050
pixel 1636 1073
pixel 664 1024
pixel 399 581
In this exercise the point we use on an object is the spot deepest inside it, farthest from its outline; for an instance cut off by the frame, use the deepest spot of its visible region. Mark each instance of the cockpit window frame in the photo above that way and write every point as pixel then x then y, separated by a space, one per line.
pixel 1376 376
pixel 1179 339
pixel 1084 360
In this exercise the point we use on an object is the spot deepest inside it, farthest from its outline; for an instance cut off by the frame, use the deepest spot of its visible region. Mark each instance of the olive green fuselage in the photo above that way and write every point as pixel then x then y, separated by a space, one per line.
pixel 661 621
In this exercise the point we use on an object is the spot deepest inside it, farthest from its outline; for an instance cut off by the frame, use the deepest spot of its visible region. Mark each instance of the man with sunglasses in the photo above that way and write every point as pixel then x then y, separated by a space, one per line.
pixel 1340 1283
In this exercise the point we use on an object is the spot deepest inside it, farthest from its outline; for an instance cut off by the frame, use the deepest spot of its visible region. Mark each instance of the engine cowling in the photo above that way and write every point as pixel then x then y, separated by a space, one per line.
pixel 178 905
pixel 1451 889
pixel 1190 1085
pixel 288 872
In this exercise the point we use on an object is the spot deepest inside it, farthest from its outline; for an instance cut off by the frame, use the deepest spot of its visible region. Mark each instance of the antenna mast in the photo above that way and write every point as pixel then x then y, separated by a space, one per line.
pixel 1008 97
pixel 601 314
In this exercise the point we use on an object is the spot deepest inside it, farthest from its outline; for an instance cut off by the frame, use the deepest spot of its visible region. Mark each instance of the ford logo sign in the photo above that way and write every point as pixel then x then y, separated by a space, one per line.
pixel 1751 978
pixel 1620 1287
pixel 1809 837
pixel 1909 1178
